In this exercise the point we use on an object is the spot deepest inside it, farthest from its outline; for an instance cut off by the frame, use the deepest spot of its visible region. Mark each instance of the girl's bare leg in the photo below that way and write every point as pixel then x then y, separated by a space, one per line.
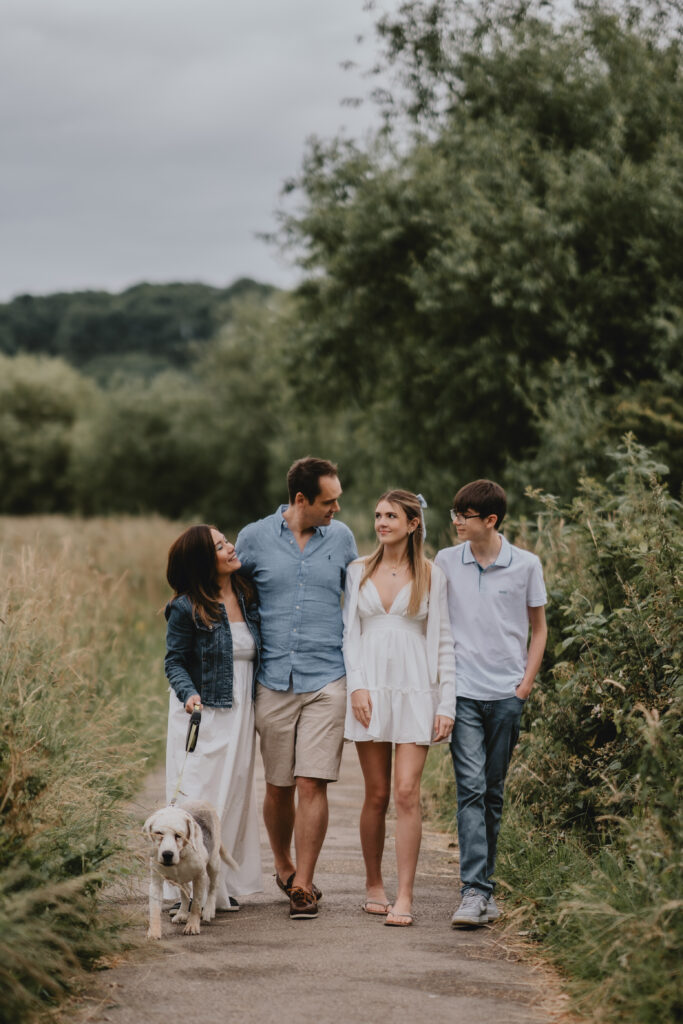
pixel 409 762
pixel 375 762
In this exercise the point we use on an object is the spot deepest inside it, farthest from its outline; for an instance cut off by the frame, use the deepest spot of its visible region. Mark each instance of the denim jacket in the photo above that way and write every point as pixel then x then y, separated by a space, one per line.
pixel 199 658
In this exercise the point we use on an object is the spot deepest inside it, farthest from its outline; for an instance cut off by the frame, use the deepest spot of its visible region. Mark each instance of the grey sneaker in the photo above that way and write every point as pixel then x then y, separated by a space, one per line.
pixel 472 912
pixel 493 911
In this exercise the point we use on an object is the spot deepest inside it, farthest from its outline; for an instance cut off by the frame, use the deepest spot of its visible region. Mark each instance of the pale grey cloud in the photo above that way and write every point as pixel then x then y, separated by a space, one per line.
pixel 148 139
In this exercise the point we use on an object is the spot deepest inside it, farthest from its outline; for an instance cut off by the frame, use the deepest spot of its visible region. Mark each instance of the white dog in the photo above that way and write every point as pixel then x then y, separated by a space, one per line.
pixel 187 848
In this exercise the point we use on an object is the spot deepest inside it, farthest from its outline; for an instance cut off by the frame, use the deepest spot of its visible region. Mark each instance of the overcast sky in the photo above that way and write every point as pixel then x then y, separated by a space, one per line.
pixel 148 139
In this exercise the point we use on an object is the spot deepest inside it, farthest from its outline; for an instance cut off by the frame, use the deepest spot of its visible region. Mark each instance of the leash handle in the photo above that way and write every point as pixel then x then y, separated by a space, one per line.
pixel 193 728
pixel 190 744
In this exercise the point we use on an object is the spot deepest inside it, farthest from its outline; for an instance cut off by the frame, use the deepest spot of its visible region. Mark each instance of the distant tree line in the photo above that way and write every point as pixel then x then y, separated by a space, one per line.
pixel 491 286
pixel 144 329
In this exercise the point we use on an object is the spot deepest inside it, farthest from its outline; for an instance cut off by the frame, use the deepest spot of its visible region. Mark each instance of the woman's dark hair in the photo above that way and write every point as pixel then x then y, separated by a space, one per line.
pixel 191 570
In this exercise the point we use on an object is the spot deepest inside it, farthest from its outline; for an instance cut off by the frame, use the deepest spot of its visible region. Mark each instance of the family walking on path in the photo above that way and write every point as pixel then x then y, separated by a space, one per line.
pixel 265 619
pixel 259 638
pixel 288 634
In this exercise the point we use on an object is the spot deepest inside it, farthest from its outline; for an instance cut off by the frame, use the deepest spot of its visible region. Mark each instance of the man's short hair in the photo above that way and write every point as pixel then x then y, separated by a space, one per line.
pixel 482 496
pixel 304 475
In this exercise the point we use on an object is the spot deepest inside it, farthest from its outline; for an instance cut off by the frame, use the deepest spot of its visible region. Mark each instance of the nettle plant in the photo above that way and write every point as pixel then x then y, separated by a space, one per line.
pixel 604 726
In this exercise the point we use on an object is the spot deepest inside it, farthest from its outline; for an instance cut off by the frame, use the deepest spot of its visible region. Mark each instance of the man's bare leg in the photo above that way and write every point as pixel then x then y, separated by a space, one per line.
pixel 278 817
pixel 310 826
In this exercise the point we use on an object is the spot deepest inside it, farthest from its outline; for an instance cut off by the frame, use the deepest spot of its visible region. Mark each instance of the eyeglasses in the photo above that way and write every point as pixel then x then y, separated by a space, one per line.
pixel 461 517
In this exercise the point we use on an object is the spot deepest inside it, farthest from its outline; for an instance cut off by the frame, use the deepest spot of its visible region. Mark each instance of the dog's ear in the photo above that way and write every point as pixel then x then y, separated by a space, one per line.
pixel 194 833
pixel 149 825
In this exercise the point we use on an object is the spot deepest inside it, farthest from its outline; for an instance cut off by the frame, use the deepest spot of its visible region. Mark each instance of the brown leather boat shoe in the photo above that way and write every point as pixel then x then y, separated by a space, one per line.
pixel 302 904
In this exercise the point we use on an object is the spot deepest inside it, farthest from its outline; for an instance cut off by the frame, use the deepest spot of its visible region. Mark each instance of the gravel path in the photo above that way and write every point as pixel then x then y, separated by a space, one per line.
pixel 345 966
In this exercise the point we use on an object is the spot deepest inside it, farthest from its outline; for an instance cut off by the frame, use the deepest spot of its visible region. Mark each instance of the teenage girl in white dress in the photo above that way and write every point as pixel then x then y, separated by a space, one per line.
pixel 212 643
pixel 400 672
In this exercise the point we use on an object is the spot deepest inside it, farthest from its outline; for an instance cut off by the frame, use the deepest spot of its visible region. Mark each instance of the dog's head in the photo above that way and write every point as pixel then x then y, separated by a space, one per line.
pixel 172 829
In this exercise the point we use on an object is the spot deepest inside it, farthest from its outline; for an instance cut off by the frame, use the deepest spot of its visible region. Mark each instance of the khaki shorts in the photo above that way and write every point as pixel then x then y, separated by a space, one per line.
pixel 301 733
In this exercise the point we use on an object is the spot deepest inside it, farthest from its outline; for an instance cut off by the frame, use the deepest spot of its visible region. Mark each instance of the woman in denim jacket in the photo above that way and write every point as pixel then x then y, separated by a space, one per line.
pixel 212 651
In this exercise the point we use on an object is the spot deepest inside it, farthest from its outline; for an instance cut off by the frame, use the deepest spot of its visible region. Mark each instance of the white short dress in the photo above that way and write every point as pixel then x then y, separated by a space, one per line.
pixel 405 662
pixel 221 770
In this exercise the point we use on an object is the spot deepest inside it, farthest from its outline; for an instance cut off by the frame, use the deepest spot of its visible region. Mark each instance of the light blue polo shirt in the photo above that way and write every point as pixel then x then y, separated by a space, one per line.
pixel 299 595
pixel 489 617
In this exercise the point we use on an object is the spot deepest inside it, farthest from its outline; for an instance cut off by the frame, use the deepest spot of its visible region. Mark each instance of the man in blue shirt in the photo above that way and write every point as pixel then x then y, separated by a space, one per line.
pixel 297 559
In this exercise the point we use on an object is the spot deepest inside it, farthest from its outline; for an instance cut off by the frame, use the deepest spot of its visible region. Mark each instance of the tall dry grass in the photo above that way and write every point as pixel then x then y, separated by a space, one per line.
pixel 82 709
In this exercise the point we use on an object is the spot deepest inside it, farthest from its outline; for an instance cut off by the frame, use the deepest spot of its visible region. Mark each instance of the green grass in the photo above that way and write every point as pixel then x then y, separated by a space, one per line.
pixel 609 916
pixel 612 919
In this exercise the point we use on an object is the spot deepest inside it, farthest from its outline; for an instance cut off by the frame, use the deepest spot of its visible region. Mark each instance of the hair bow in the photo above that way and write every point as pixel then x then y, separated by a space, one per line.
pixel 423 506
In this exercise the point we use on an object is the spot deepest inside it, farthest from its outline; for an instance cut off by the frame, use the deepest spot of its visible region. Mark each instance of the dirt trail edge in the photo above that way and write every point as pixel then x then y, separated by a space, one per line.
pixel 345 966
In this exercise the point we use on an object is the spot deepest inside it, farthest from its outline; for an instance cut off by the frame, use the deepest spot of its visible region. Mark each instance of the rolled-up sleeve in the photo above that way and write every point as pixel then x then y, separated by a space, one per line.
pixel 180 638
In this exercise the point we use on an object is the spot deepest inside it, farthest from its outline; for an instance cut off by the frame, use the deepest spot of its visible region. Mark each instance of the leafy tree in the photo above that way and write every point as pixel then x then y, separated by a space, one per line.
pixel 41 401
pixel 519 208
pixel 576 418
pixel 211 442
pixel 186 444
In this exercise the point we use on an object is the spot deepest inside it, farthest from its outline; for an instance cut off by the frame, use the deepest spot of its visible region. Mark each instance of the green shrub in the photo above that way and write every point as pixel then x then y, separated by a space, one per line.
pixel 592 843
pixel 590 847
pixel 613 560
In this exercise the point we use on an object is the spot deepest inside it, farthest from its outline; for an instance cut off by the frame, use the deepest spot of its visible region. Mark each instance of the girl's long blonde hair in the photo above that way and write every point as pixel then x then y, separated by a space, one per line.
pixel 420 567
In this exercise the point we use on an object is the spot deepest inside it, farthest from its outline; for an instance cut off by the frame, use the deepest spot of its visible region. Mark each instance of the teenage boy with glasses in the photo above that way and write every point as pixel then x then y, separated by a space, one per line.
pixel 496 594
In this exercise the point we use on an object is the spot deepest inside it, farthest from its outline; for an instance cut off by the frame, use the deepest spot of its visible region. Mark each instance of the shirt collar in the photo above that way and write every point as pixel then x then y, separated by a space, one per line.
pixel 281 522
pixel 502 560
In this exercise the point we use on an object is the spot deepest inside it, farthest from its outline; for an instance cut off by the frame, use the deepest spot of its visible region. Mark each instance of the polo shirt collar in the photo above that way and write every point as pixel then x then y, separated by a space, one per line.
pixel 281 522
pixel 504 555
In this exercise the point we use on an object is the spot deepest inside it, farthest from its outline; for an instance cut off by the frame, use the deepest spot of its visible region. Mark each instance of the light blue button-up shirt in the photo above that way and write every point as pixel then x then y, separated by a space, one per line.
pixel 299 595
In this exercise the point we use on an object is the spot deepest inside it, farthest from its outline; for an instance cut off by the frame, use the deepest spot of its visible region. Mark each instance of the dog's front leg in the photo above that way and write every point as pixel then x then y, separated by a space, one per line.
pixel 180 916
pixel 198 897
pixel 155 898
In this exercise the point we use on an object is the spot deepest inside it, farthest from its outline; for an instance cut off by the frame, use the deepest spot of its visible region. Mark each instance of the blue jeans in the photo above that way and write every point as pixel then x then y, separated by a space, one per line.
pixel 484 737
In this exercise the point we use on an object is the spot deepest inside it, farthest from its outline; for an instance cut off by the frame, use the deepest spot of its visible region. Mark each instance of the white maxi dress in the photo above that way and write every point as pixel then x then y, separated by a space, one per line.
pixel 407 663
pixel 221 771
